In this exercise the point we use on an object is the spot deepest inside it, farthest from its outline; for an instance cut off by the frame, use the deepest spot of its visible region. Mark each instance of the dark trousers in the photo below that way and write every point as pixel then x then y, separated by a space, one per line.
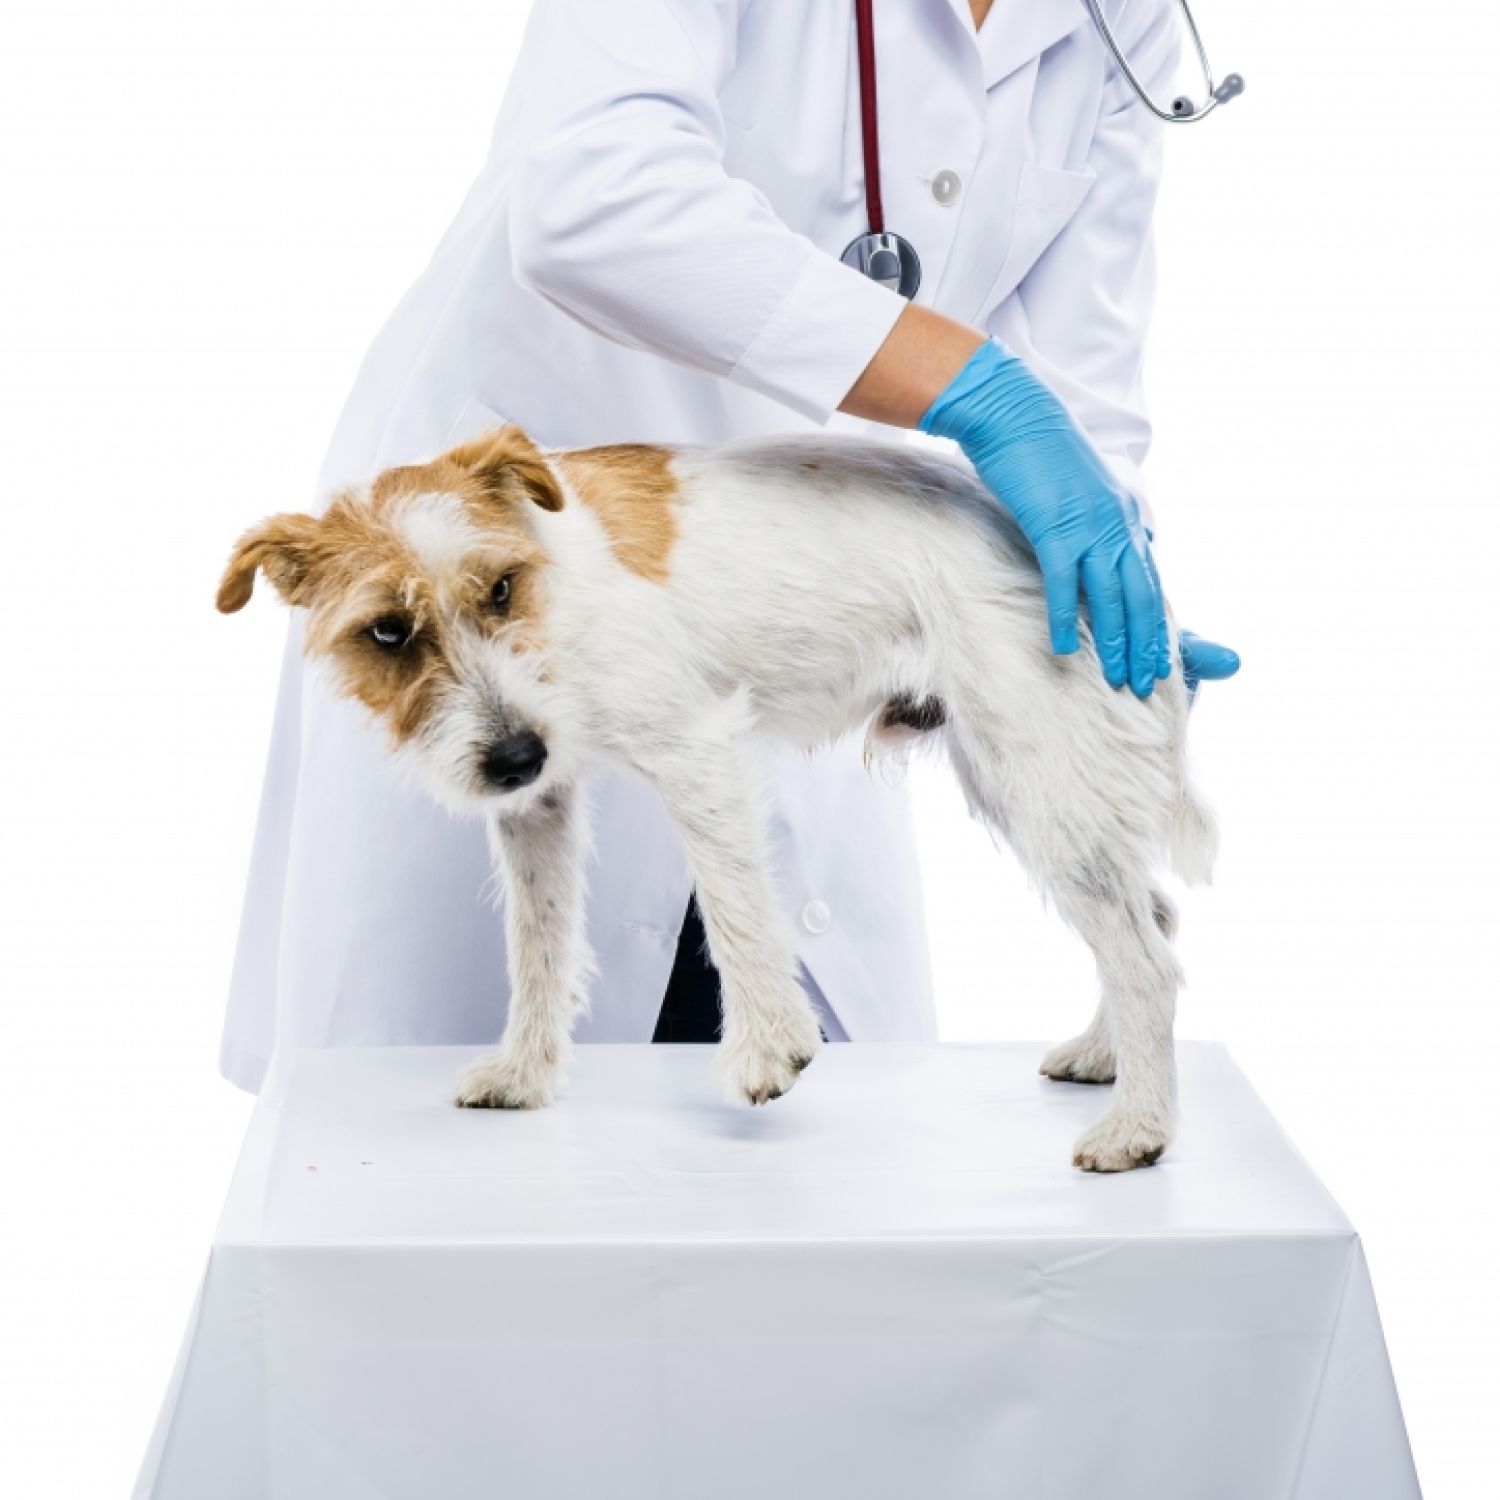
pixel 690 1008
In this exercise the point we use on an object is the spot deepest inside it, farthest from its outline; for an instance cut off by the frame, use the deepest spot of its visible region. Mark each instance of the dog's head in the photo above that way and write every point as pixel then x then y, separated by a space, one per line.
pixel 426 596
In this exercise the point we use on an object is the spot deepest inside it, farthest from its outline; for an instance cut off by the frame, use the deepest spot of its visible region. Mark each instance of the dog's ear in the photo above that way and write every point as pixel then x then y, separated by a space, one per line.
pixel 507 463
pixel 288 549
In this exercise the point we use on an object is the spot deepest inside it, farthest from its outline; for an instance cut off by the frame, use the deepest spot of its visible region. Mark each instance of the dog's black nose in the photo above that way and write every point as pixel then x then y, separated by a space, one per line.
pixel 515 762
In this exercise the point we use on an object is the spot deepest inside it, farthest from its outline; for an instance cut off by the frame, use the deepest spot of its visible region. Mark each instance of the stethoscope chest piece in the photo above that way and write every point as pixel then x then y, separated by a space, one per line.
pixel 886 258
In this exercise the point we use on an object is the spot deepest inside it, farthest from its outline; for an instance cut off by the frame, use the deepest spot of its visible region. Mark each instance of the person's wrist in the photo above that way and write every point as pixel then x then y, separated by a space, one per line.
pixel 917 361
pixel 962 410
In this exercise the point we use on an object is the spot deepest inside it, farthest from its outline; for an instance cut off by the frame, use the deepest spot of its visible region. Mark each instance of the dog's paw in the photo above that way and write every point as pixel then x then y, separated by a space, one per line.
pixel 496 1081
pixel 1120 1143
pixel 1085 1059
pixel 760 1065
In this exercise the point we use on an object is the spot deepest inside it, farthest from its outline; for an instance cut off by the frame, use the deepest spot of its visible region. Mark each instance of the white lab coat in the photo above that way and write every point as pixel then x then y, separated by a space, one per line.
pixel 650 253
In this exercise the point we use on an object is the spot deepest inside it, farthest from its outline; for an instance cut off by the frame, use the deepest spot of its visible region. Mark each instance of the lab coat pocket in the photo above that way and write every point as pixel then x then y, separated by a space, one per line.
pixel 473 420
pixel 1046 198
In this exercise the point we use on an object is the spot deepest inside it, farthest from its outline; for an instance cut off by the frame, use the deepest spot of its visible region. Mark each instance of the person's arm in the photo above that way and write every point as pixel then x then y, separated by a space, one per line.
pixel 1073 335
pixel 621 212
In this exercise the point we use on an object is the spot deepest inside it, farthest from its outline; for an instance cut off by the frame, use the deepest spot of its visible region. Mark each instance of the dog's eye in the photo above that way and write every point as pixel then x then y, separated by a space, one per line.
pixel 390 633
pixel 500 594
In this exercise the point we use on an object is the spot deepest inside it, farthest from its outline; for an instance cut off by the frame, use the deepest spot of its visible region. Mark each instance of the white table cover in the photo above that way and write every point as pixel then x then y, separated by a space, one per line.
pixel 889 1283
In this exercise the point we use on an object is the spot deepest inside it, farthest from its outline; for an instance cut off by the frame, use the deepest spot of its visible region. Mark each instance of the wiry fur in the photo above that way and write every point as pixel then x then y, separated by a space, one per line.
pixel 792 589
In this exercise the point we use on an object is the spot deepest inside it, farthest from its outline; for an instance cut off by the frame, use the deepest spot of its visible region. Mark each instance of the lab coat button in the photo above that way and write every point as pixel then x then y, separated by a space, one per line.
pixel 946 186
pixel 816 917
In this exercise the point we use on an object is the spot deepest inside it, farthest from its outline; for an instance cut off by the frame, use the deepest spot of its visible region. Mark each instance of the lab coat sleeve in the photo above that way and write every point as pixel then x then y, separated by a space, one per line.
pixel 623 215
pixel 1085 305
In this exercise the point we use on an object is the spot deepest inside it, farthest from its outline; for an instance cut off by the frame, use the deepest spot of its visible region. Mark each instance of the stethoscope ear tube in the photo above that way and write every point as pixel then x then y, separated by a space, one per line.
pixel 1183 110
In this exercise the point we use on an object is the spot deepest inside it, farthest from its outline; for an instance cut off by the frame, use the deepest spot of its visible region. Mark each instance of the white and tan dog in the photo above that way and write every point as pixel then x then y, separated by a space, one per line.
pixel 516 618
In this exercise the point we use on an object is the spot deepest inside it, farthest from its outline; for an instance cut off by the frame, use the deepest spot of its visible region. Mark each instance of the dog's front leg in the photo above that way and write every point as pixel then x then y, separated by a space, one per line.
pixel 539 865
pixel 770 1033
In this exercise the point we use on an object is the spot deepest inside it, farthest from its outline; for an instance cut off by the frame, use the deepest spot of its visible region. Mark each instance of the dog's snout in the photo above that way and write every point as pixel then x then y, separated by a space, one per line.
pixel 516 762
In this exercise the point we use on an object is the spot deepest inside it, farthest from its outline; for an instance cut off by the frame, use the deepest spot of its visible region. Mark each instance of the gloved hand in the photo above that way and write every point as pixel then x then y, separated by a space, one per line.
pixel 1082 524
pixel 1205 661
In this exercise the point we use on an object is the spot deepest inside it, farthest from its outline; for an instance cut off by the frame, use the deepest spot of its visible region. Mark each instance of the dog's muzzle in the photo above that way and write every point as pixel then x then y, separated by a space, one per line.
pixel 511 764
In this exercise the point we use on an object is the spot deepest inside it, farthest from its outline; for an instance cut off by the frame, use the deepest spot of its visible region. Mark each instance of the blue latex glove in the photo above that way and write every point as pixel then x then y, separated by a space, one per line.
pixel 1205 661
pixel 1084 527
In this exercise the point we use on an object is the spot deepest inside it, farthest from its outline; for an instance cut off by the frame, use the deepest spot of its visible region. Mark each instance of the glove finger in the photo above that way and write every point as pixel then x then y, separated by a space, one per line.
pixel 1061 584
pixel 1163 633
pixel 1144 618
pixel 1205 660
pixel 1106 596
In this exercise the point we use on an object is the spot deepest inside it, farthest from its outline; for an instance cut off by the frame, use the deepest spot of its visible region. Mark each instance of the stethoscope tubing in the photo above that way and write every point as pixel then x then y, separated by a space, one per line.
pixel 889 258
pixel 1174 115
pixel 869 112
pixel 879 254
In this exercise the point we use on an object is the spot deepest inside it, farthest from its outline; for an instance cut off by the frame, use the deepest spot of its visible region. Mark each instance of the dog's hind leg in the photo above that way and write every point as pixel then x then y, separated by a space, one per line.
pixel 1140 979
pixel 538 859
pixel 707 781
pixel 1089 1057
pixel 1068 828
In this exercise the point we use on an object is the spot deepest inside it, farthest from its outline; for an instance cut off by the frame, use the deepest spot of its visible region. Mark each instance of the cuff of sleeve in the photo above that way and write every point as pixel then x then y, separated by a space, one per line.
pixel 817 342
pixel 1131 478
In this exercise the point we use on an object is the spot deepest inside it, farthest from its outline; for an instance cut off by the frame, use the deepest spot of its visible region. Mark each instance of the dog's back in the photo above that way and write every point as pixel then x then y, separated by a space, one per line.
pixel 851 582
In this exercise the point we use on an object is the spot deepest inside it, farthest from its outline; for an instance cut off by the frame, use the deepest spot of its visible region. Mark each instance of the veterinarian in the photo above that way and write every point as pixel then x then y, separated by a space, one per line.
pixel 652 253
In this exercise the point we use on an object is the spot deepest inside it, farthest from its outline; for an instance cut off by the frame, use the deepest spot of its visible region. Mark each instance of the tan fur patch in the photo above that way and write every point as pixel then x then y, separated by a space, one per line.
pixel 633 491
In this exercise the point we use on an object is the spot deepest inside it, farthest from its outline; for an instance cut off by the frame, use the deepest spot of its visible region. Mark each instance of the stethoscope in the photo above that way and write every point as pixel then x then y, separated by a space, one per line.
pixel 885 256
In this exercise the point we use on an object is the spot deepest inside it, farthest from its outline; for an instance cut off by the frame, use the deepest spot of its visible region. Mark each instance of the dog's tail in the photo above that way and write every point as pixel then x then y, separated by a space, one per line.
pixel 1192 836
pixel 1191 831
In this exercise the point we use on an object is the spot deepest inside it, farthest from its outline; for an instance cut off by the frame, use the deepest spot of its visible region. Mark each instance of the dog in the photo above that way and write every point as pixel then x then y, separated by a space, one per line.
pixel 516 618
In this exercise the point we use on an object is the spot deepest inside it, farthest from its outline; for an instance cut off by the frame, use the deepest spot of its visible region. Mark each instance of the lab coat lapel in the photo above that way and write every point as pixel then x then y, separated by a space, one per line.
pixel 1015 31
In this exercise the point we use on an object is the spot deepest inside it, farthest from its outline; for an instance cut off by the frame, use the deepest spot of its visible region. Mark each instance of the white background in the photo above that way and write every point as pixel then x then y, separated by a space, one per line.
pixel 207 208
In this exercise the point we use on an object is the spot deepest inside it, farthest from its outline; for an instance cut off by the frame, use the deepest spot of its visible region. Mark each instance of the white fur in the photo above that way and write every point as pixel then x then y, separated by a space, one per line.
pixel 437 529
pixel 811 582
